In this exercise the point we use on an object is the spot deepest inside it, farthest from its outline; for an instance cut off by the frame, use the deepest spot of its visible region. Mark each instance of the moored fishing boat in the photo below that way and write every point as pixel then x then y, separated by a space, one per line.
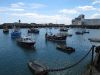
pixel 5 29
pixel 37 68
pixel 82 31
pixel 79 33
pixel 15 33
pixel 86 32
pixel 94 39
pixel 65 48
pixel 64 34
pixel 55 37
pixel 26 41
pixel 33 30
pixel 63 29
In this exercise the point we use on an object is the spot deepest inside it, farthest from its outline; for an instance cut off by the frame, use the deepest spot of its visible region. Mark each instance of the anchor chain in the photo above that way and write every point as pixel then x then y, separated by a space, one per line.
pixel 71 66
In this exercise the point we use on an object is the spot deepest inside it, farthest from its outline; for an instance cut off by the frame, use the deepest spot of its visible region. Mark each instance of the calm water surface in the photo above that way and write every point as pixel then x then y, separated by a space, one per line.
pixel 13 59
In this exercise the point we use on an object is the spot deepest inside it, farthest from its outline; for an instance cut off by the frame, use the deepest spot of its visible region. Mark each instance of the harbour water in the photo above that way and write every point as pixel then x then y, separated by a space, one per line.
pixel 13 58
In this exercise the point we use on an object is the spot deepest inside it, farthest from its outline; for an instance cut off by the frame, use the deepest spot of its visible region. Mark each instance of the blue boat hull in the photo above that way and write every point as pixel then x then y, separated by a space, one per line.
pixel 15 35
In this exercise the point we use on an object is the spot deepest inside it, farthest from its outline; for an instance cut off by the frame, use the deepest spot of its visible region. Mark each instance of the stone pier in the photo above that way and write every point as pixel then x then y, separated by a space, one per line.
pixel 96 66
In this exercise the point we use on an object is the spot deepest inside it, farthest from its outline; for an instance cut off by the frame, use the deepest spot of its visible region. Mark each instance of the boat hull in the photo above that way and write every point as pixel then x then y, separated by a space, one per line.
pixel 79 33
pixel 32 66
pixel 33 31
pixel 26 44
pixel 86 32
pixel 63 29
pixel 65 49
pixel 94 40
pixel 55 38
pixel 15 35
pixel 5 31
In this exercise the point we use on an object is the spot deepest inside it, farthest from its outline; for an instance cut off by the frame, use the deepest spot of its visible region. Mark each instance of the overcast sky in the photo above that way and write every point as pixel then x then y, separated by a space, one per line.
pixel 47 11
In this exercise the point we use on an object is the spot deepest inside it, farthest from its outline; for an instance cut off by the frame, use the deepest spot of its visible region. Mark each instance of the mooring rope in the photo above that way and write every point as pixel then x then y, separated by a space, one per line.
pixel 68 67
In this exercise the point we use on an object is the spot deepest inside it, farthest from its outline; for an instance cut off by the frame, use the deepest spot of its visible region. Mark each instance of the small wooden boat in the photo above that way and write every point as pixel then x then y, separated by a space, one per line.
pixel 86 32
pixel 64 34
pixel 79 33
pixel 55 37
pixel 65 48
pixel 33 30
pixel 69 35
pixel 37 68
pixel 82 32
pixel 63 29
pixel 94 39
pixel 26 42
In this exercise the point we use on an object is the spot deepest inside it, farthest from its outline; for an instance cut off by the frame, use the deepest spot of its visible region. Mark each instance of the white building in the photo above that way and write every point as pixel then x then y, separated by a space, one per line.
pixel 80 20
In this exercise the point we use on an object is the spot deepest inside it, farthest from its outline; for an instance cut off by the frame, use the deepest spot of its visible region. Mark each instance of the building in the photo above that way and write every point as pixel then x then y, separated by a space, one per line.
pixel 80 20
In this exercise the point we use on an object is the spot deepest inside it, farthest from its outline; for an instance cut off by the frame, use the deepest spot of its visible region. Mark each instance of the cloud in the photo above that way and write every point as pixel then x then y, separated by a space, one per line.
pixel 78 10
pixel 20 6
pixel 37 5
pixel 17 5
pixel 7 9
pixel 41 18
pixel 2 10
pixel 68 11
pixel 16 9
pixel 13 7
pixel 36 16
pixel 96 15
pixel 25 12
pixel 28 5
pixel 86 8
pixel 96 2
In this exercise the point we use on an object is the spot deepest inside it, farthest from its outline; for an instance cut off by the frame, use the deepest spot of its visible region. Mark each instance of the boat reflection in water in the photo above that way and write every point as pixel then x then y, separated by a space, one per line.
pixel 37 68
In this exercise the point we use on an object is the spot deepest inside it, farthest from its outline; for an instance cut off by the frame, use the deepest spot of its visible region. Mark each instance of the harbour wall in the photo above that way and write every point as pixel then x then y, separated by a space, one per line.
pixel 25 25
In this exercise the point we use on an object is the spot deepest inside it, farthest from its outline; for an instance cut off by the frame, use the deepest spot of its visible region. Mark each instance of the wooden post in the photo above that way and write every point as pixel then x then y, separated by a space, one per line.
pixel 91 71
